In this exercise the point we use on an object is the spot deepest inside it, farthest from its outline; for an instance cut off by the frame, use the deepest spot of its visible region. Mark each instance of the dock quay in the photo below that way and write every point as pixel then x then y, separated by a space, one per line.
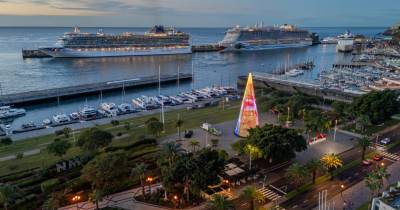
pixel 87 89
pixel 270 81
pixel 33 53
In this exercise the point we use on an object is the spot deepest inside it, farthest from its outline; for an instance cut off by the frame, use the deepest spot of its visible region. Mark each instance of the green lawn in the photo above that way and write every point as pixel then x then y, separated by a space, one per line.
pixel 192 119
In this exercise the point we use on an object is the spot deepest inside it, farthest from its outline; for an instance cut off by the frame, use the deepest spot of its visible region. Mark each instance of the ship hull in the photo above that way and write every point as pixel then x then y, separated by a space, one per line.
pixel 91 53
pixel 249 47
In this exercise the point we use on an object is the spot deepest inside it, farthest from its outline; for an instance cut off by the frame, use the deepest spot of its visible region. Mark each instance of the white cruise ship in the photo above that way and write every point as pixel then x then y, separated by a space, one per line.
pixel 158 41
pixel 345 42
pixel 264 38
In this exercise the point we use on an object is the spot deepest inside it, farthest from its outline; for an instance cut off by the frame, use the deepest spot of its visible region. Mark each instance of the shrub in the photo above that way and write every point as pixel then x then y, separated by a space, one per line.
pixel 13 167
pixel 67 131
pixel 127 126
pixel 114 122
pixel 59 132
pixel 20 155
pixel 48 185
pixel 119 134
pixel 6 141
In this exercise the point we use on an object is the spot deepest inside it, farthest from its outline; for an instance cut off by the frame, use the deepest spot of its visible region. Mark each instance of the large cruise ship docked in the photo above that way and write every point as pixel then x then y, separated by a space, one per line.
pixel 264 38
pixel 158 41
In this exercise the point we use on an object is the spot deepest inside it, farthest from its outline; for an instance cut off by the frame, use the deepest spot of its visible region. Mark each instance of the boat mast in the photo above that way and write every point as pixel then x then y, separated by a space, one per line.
pixel 162 100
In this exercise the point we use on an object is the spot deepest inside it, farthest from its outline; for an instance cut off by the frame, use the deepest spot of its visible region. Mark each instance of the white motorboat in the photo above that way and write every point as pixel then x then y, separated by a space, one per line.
pixel 125 108
pixel 110 109
pixel 8 112
pixel 47 121
pixel 61 118
pixel 294 72
pixel 88 112
pixel 74 116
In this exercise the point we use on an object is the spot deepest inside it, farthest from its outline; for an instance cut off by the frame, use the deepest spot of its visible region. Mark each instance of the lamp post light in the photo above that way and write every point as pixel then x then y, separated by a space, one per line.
pixel 176 200
pixel 342 187
pixel 149 180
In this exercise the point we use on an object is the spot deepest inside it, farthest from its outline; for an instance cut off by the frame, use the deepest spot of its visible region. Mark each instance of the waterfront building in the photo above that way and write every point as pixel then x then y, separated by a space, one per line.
pixel 389 200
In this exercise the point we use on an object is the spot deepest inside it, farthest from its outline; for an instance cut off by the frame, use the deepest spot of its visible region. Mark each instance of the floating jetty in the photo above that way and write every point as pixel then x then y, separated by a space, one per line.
pixel 270 81
pixel 35 53
pixel 87 89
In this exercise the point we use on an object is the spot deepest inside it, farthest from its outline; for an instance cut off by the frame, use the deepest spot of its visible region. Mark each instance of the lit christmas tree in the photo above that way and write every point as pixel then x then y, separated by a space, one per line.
pixel 248 117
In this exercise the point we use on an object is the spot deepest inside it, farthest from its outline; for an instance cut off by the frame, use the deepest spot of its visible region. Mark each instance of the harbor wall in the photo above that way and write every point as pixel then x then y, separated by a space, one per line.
pixel 38 96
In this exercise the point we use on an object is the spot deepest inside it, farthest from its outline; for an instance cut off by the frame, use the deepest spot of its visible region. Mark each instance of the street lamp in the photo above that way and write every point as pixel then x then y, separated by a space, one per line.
pixel 149 180
pixel 341 193
pixel 76 198
pixel 383 164
pixel 176 199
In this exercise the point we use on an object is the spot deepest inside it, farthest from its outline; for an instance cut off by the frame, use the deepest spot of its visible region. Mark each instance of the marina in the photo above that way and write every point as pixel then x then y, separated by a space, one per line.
pixel 190 99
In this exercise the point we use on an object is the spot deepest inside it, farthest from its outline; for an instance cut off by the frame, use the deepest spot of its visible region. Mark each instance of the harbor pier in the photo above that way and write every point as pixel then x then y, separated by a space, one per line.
pixel 269 81
pixel 88 89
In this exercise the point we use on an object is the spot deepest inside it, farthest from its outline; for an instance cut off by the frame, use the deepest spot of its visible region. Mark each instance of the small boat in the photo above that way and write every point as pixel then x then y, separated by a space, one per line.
pixel 110 109
pixel 294 72
pixel 88 113
pixel 74 116
pixel 61 118
pixel 177 100
pixel 8 112
pixel 125 108
pixel 47 121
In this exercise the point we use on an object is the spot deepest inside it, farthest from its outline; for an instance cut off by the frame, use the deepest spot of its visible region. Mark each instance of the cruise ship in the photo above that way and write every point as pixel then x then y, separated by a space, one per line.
pixel 345 42
pixel 159 40
pixel 264 38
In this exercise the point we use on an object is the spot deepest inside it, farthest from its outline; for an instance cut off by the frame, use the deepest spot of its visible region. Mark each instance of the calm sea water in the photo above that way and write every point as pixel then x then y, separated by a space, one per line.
pixel 20 75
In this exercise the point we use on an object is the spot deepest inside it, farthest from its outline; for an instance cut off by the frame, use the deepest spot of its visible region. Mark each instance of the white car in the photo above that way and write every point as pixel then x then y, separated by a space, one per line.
pixel 385 141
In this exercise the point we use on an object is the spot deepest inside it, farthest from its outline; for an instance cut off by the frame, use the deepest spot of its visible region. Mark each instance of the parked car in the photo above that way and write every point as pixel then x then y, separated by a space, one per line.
pixel 378 157
pixel 188 134
pixel 367 162
pixel 385 141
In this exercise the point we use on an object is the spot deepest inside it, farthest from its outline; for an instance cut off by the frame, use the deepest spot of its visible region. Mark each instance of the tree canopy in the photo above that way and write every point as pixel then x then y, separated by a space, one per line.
pixel 377 105
pixel 94 138
pixel 276 142
pixel 106 171
pixel 59 147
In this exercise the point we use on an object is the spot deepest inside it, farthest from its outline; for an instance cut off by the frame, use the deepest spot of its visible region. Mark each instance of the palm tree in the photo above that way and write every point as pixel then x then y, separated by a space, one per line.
pixel 373 183
pixel 140 169
pixel 297 172
pixel 179 124
pixel 8 194
pixel 382 173
pixel 253 152
pixel 219 202
pixel 363 121
pixel 364 143
pixel 96 196
pixel 314 166
pixel 171 150
pixel 252 195
pixel 331 162
pixel 194 144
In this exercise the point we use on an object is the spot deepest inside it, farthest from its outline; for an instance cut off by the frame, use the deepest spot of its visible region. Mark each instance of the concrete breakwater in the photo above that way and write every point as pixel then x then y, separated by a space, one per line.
pixel 268 81
pixel 87 89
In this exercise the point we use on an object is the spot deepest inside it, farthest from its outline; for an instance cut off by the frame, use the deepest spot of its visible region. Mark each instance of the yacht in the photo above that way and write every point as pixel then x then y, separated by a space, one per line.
pixel 177 100
pixel 61 118
pixel 47 122
pixel 8 112
pixel 88 112
pixel 329 40
pixel 125 108
pixel 110 109
pixel 74 116
pixel 294 72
